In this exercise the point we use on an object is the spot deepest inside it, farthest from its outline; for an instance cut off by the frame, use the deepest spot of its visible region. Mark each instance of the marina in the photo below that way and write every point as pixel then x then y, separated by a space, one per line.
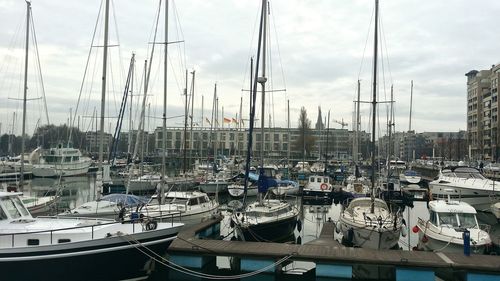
pixel 139 182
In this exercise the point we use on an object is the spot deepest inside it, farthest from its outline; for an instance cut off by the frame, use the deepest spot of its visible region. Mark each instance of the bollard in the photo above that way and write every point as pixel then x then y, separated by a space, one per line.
pixel 466 238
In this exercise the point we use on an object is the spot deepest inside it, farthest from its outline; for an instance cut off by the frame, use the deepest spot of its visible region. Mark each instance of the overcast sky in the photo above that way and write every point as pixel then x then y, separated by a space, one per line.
pixel 319 49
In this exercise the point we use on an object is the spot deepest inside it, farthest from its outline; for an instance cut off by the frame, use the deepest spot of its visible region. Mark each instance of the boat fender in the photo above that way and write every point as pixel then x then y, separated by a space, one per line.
pixel 299 240
pixel 415 229
pixel 337 227
pixel 299 225
pixel 151 225
pixel 404 231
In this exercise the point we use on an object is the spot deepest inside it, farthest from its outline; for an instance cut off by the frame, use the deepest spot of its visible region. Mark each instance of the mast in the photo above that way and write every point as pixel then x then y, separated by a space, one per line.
pixel 252 108
pixel 390 125
pixel 28 10
pixel 374 103
pixel 327 142
pixel 103 89
pixel 164 129
pixel 288 137
pixel 192 117
pixel 411 105
pixel 262 80
pixel 356 126
pixel 185 124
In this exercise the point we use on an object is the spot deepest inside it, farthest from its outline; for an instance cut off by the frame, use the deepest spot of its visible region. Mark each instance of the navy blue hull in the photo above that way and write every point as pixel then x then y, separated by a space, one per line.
pixel 275 231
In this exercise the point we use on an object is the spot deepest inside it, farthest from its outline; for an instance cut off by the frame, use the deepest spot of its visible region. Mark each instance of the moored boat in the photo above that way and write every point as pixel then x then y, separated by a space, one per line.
pixel 50 248
pixel 443 231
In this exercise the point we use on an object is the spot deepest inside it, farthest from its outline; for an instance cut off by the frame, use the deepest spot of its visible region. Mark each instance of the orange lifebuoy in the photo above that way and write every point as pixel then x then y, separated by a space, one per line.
pixel 323 186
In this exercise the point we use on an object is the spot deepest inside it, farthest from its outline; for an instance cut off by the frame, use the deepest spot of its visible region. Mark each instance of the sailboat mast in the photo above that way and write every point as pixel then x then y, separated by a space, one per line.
pixel 192 117
pixel 411 105
pixel 374 101
pixel 28 10
pixel 262 81
pixel 288 137
pixel 164 129
pixel 356 126
pixel 185 125
pixel 103 89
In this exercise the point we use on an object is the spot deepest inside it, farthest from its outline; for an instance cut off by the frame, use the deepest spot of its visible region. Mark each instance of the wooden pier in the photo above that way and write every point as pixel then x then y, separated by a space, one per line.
pixel 332 260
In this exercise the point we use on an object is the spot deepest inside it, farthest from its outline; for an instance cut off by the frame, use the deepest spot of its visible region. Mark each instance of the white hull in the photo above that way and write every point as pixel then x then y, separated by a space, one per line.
pixel 370 237
pixel 237 191
pixel 480 199
pixel 65 170
pixel 363 229
pixel 187 218
pixel 143 185
pixel 212 187
pixel 410 179
pixel 435 245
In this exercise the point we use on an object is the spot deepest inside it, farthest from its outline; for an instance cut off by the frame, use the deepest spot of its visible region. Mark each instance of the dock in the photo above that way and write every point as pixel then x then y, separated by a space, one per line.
pixel 194 250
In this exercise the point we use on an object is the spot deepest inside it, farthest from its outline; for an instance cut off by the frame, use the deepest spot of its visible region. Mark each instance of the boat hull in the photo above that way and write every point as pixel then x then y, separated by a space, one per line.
pixel 273 231
pixel 369 237
pixel 480 199
pixel 435 245
pixel 48 171
pixel 100 259
pixel 238 191
pixel 212 188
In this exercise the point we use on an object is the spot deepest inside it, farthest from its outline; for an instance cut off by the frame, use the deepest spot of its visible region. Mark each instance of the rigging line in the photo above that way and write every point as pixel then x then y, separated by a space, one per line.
pixel 366 43
pixel 122 68
pixel 279 53
pixel 250 53
pixel 39 67
pixel 382 35
pixel 86 67
pixel 179 31
pixel 112 85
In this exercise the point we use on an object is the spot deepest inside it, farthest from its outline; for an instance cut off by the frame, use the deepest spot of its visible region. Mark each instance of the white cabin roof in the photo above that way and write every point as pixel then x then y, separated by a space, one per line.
pixel 183 194
pixel 446 206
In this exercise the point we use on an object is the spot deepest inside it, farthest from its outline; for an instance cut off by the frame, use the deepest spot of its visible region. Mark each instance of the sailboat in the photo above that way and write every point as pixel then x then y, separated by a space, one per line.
pixel 368 222
pixel 52 247
pixel 265 219
pixel 190 207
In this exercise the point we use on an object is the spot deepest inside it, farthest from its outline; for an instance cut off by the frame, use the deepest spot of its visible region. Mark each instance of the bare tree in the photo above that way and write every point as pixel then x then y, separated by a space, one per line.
pixel 305 141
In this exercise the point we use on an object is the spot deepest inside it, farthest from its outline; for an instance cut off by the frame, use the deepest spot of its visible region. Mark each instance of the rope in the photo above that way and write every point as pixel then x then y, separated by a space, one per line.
pixel 158 258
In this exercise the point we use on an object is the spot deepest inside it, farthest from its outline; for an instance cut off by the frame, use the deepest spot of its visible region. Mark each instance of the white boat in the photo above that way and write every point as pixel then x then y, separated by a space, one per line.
pixel 10 168
pixel 60 161
pixel 376 228
pixel 190 207
pixel 303 167
pixel 144 183
pixel 368 222
pixel 286 187
pixel 358 188
pixel 466 184
pixel 442 232
pixel 269 220
pixel 317 167
pixel 52 247
pixel 410 176
pixel 109 206
pixel 265 219
pixel 318 187
pixel 215 184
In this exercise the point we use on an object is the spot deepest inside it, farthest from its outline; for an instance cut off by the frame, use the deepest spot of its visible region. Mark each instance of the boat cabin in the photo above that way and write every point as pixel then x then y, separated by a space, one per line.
pixel 11 207
pixel 453 214
pixel 462 172
pixel 182 198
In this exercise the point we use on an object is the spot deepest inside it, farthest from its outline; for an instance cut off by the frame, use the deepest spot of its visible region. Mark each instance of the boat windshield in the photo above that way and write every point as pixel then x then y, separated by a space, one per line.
pixel 467 220
pixel 14 207
pixel 464 174
pixel 448 219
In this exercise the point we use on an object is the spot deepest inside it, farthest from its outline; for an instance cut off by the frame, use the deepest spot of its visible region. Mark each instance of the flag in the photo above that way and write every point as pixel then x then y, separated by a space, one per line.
pixel 208 121
pixel 227 120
